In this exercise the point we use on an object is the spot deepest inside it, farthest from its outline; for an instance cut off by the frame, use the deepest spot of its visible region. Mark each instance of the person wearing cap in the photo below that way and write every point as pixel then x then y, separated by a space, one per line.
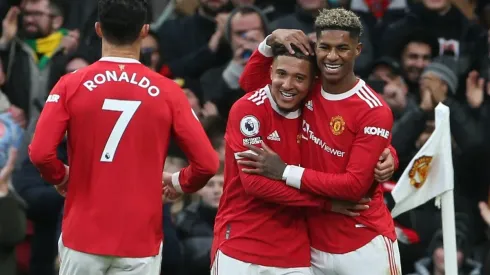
pixel 439 83
pixel 434 262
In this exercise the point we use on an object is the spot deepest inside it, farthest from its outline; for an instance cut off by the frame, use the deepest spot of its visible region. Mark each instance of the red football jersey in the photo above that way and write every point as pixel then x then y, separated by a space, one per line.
pixel 118 116
pixel 259 220
pixel 343 137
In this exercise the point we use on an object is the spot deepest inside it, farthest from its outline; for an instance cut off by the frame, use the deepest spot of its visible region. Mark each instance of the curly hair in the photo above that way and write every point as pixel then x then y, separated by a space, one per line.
pixel 339 19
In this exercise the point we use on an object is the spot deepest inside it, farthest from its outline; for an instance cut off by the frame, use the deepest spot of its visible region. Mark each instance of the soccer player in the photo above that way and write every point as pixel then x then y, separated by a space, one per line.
pixel 345 126
pixel 260 225
pixel 118 116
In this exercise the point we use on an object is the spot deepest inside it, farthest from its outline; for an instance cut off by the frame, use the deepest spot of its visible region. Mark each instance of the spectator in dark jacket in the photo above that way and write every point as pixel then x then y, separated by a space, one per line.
pixel 43 209
pixel 195 227
pixel 191 45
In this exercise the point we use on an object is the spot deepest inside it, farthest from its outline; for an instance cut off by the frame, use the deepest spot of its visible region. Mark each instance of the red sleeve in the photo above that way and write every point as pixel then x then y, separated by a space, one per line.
pixel 50 130
pixel 395 156
pixel 257 71
pixel 191 138
pixel 258 186
pixel 373 136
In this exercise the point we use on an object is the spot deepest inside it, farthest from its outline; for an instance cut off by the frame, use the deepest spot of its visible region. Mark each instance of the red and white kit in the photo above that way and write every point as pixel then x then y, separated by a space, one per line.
pixel 260 225
pixel 118 116
pixel 343 136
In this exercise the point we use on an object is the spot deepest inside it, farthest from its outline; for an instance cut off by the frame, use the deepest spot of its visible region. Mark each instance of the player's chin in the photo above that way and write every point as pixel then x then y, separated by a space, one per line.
pixel 333 78
pixel 289 105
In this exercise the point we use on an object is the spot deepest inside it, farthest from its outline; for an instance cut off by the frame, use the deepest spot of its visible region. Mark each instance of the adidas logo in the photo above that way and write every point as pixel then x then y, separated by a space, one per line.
pixel 274 136
pixel 309 105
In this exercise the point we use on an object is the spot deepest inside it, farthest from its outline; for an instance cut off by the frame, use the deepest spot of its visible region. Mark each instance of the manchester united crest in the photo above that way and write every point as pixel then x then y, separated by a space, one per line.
pixel 337 125
pixel 419 171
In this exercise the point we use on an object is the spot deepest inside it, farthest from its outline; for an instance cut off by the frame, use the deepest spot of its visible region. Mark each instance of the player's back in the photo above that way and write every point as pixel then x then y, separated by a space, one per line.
pixel 118 135
pixel 249 228
pixel 333 124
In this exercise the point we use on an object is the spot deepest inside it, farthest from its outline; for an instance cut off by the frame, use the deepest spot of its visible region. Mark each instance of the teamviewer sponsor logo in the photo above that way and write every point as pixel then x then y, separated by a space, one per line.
pixel 308 134
pixel 376 131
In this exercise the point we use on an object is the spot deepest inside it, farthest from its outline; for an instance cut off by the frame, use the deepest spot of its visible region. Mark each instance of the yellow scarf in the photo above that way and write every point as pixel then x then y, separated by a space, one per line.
pixel 46 47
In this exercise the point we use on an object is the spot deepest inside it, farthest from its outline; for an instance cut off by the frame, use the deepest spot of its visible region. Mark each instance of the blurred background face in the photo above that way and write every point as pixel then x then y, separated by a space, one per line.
pixel 394 93
pixel 246 30
pixel 383 79
pixel 437 5
pixel 149 52
pixel 38 19
pixel 311 5
pixel 438 258
pixel 291 80
pixel 211 193
pixel 415 57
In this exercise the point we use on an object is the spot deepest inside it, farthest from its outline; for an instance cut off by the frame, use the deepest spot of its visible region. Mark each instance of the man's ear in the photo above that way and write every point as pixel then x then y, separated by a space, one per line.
pixel 358 49
pixel 98 29
pixel 144 31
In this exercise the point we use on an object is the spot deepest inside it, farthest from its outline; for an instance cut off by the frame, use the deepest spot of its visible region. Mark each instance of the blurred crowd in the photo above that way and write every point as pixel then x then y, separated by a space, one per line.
pixel 416 54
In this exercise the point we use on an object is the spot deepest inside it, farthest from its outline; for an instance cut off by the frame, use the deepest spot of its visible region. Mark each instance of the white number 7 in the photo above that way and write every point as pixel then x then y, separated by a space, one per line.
pixel 128 108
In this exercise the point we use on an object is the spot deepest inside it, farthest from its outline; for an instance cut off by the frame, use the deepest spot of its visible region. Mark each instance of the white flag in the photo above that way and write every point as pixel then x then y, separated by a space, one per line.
pixel 430 173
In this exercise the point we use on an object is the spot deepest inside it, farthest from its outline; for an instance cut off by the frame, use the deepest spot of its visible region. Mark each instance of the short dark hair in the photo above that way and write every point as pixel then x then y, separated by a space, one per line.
pixel 417 35
pixel 121 20
pixel 281 50
pixel 339 19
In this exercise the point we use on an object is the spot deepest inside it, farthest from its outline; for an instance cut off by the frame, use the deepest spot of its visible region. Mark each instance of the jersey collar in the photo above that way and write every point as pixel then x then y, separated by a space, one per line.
pixel 349 93
pixel 119 59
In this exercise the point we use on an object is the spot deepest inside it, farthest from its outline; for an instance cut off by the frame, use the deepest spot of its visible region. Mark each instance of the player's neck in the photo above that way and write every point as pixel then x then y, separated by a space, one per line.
pixel 344 85
pixel 130 51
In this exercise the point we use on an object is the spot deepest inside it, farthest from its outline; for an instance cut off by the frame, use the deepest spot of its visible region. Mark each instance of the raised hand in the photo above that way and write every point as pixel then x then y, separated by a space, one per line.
pixel 474 89
pixel 287 37
pixel 10 25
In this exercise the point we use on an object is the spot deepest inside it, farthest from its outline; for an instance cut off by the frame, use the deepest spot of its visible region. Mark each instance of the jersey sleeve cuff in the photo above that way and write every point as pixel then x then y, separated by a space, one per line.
pixel 265 49
pixel 176 182
pixel 293 176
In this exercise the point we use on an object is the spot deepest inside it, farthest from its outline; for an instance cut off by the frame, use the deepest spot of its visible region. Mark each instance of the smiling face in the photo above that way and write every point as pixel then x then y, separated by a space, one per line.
pixel 291 80
pixel 336 52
